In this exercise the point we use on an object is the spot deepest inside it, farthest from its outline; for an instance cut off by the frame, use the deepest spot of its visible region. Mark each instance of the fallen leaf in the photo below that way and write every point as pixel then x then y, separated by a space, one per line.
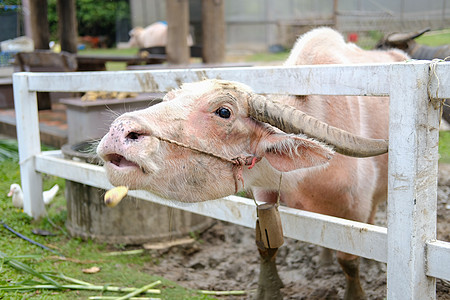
pixel 91 270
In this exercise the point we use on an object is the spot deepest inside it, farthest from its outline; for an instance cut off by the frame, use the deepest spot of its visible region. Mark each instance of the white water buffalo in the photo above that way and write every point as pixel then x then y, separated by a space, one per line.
pixel 148 149
pixel 154 35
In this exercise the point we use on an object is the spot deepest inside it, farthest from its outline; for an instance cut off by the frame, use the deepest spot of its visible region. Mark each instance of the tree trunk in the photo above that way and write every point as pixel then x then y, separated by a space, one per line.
pixel 39 24
pixel 67 23
pixel 213 24
pixel 40 34
pixel 177 12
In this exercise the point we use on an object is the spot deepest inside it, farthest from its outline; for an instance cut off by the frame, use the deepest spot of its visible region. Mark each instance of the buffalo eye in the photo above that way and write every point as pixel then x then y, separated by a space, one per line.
pixel 223 112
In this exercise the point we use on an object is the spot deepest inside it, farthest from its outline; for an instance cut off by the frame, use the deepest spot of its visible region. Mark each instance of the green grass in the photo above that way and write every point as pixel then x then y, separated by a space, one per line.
pixel 115 66
pixel 444 146
pixel 111 65
pixel 268 57
pixel 109 51
pixel 435 38
pixel 125 271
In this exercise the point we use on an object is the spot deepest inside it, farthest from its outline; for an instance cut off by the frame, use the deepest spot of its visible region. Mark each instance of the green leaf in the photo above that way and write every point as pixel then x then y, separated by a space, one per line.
pixel 20 266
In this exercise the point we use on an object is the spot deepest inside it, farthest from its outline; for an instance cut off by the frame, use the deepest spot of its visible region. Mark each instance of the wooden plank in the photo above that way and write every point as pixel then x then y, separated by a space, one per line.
pixel 47 60
pixel 357 238
pixel 412 187
pixel 29 145
pixel 300 80
pixel 344 235
pixel 53 163
pixel 438 259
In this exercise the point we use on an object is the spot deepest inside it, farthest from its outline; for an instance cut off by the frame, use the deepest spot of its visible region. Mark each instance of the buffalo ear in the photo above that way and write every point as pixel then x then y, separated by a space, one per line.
pixel 286 152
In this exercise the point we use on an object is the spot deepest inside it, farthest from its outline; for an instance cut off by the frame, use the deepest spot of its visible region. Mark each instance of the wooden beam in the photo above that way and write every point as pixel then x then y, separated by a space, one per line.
pixel 177 14
pixel 302 80
pixel 213 24
pixel 39 24
pixel 438 259
pixel 412 184
pixel 29 145
pixel 67 23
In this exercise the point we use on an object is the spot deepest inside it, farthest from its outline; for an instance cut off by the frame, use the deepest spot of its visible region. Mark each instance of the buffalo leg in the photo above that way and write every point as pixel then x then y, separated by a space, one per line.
pixel 325 257
pixel 350 266
pixel 269 283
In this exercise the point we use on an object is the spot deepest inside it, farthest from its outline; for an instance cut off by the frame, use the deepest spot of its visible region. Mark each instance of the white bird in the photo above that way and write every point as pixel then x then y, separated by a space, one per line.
pixel 17 195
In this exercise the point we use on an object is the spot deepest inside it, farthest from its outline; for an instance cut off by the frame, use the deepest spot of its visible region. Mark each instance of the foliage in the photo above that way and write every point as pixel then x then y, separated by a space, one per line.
pixel 52 17
pixel 375 35
pixel 9 150
pixel 94 17
pixel 53 281
pixel 98 17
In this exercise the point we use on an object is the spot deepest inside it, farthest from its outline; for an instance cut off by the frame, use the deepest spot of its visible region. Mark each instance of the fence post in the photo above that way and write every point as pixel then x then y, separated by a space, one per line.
pixel 27 124
pixel 412 183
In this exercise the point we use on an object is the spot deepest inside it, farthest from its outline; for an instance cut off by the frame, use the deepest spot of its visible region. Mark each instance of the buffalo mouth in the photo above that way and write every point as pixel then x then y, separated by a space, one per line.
pixel 120 162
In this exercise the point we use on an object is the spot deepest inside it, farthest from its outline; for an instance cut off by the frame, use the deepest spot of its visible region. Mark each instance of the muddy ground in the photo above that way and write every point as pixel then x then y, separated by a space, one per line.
pixel 227 259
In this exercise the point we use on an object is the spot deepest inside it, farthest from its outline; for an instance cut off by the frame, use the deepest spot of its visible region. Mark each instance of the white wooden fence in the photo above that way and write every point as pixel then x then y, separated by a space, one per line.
pixel 414 257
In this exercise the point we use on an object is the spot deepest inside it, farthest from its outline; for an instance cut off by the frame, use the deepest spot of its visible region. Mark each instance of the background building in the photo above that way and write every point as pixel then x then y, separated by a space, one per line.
pixel 259 24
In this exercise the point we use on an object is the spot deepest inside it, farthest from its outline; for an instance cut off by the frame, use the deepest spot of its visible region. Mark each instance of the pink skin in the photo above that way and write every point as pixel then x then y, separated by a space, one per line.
pixel 135 157
pixel 344 187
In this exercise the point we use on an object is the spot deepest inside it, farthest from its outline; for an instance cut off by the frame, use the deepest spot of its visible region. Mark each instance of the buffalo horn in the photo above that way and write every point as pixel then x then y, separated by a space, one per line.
pixel 398 38
pixel 291 120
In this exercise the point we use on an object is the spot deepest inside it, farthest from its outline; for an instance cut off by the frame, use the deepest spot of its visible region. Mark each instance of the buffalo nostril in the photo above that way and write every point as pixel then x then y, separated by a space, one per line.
pixel 133 135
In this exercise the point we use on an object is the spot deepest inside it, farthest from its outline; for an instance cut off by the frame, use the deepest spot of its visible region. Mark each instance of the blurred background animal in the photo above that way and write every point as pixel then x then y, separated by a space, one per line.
pixel 154 35
pixel 406 42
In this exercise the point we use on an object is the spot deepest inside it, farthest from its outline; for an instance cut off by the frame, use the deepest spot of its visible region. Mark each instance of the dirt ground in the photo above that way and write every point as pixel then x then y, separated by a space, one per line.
pixel 227 259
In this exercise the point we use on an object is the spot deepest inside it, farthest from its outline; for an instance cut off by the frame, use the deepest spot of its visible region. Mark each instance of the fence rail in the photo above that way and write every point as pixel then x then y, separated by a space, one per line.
pixel 408 244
